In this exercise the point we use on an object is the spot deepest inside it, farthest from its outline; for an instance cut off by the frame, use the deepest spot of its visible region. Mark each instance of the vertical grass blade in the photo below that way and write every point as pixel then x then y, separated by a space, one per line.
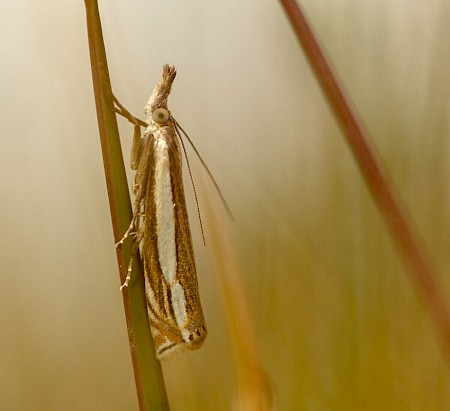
pixel 147 369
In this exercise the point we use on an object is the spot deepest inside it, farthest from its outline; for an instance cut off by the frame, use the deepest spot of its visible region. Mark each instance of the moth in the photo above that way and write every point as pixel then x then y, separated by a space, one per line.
pixel 160 227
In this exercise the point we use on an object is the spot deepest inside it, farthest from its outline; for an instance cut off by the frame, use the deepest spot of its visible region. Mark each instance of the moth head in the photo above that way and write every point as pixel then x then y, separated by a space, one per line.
pixel 158 99
pixel 161 115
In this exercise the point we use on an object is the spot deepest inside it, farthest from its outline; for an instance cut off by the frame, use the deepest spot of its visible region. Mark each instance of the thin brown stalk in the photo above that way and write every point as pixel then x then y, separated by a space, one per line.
pixel 420 267
pixel 147 369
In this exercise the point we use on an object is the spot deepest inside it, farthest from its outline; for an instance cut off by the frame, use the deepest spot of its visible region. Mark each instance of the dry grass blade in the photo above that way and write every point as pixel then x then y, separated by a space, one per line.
pixel 254 391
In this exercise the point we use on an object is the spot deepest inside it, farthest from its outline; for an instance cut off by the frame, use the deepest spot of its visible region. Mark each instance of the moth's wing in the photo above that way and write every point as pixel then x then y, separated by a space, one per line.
pixel 186 271
pixel 165 300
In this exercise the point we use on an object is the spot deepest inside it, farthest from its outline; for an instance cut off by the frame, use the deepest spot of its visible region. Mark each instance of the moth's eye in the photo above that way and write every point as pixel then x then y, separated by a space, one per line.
pixel 160 115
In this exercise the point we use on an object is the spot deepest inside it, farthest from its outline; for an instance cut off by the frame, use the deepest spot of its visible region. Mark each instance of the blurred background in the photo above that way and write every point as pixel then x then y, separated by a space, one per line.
pixel 337 321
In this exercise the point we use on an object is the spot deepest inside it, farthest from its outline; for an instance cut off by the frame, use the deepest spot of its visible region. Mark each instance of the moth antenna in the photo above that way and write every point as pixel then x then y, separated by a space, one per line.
pixel 192 182
pixel 222 197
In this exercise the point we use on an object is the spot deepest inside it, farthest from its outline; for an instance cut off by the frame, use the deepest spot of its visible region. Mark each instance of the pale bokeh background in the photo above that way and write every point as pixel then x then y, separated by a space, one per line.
pixel 339 325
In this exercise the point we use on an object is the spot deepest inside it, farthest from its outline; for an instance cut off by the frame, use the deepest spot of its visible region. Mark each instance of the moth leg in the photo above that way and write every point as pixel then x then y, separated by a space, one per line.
pixel 139 189
pixel 139 186
pixel 130 231
pixel 134 226
pixel 136 147
pixel 134 250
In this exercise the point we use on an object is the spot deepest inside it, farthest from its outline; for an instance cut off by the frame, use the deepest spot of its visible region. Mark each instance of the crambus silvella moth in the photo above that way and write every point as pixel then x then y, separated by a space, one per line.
pixel 173 301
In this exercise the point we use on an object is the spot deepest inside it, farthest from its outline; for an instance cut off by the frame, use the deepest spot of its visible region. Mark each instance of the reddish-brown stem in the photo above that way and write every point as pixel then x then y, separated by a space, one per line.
pixel 413 252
